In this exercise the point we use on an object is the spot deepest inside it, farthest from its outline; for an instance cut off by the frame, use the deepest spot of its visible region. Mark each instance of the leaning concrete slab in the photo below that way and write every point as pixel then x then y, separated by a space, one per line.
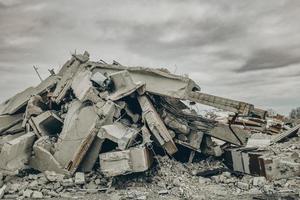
pixel 156 125
pixel 19 101
pixel 119 133
pixel 106 111
pixel 79 122
pixel 116 163
pixel 15 153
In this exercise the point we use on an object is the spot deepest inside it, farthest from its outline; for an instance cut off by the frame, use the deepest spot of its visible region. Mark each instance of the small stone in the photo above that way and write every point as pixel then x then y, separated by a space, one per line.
pixel 67 182
pixel 98 181
pixel 91 186
pixel 259 181
pixel 227 174
pixel 142 197
pixel 27 193
pixel 37 195
pixel 177 182
pixel 33 185
pixel 203 180
pixel 53 176
pixel 2 191
pixel 163 192
pixel 79 178
pixel 242 185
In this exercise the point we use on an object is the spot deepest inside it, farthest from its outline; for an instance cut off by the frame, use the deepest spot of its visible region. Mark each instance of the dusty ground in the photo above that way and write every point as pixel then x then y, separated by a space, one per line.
pixel 168 179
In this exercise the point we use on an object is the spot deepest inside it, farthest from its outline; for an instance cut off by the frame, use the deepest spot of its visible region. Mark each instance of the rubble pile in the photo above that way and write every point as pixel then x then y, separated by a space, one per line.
pixel 92 122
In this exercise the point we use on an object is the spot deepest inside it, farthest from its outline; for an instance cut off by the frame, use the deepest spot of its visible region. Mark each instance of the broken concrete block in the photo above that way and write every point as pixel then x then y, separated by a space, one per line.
pixel 47 123
pixel 119 133
pixel 234 134
pixel 259 140
pixel 42 160
pixel 156 125
pixel 37 195
pixel 124 162
pixel 279 166
pixel 123 85
pixel 83 88
pixel 16 153
pixel 79 178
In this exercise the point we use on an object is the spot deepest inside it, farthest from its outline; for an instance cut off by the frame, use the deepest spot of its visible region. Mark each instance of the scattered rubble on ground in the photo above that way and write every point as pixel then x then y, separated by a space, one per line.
pixel 98 128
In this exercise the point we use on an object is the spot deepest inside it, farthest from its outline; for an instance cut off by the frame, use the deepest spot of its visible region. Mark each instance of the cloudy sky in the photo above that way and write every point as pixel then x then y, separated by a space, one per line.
pixel 245 50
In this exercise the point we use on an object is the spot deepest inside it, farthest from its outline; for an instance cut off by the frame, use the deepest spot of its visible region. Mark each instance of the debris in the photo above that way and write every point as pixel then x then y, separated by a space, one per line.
pixel 92 123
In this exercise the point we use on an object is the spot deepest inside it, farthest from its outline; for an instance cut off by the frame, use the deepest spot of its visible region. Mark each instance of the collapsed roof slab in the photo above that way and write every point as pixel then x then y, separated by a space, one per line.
pixel 156 81
pixel 20 100
pixel 162 82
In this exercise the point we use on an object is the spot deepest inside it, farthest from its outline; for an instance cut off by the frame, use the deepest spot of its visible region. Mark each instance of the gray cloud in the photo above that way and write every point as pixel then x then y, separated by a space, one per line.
pixel 247 50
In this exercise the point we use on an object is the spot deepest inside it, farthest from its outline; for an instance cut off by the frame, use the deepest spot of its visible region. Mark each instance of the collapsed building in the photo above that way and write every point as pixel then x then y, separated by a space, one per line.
pixel 94 115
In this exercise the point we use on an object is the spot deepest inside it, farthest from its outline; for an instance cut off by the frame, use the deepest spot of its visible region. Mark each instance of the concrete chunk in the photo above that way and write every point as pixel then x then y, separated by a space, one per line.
pixel 119 133
pixel 125 162
pixel 42 159
pixel 16 153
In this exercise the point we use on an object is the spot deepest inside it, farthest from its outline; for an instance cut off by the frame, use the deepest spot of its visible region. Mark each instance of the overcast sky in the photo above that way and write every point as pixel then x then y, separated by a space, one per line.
pixel 245 50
